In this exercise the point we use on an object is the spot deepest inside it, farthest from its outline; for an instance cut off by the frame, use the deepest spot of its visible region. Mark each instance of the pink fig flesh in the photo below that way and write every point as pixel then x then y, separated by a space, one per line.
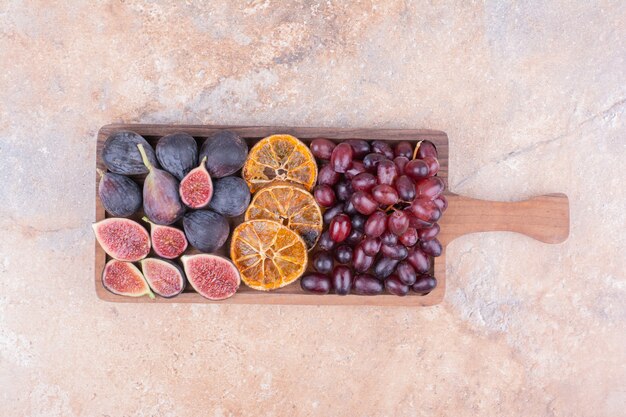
pixel 167 241
pixel 196 189
pixel 122 239
pixel 164 277
pixel 124 278
pixel 212 276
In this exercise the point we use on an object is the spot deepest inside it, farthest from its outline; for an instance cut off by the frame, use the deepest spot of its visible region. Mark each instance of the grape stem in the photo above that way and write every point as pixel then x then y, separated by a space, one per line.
pixel 144 157
pixel 417 148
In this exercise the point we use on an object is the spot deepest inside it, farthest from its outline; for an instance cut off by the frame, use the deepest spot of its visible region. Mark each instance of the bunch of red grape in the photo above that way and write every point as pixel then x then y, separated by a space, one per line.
pixel 381 205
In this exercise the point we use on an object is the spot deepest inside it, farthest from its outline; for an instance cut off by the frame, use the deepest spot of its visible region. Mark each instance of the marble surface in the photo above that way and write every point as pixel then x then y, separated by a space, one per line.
pixel 533 98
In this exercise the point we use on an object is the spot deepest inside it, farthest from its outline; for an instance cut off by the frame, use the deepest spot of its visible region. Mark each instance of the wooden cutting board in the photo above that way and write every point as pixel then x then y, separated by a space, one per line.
pixel 545 218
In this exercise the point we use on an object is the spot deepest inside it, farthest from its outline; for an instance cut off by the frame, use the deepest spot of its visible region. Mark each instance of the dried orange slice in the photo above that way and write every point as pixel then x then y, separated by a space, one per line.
pixel 282 158
pixel 290 205
pixel 267 254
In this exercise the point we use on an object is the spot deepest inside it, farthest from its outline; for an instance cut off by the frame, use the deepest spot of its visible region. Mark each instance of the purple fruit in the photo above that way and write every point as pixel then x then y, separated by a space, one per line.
pixel 177 153
pixel 120 195
pixel 226 153
pixel 365 284
pixel 206 230
pixel 121 155
pixel 231 196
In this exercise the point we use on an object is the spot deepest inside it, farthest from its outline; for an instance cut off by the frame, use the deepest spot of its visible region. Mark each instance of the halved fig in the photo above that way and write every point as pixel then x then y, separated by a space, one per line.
pixel 123 239
pixel 164 277
pixel 124 278
pixel 196 189
pixel 212 276
pixel 161 201
pixel 120 196
pixel 167 241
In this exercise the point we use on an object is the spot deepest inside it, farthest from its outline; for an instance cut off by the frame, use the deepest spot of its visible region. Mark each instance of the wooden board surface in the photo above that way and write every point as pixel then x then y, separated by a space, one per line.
pixel 545 218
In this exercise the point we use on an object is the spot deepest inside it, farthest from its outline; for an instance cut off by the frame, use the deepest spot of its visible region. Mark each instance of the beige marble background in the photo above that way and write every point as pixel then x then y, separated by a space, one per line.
pixel 533 97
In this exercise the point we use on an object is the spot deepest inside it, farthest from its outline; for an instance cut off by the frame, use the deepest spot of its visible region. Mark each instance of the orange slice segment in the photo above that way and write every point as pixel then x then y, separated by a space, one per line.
pixel 282 158
pixel 290 205
pixel 267 254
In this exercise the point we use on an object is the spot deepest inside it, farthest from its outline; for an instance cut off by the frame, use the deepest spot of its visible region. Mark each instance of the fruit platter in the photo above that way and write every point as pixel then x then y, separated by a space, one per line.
pixel 287 215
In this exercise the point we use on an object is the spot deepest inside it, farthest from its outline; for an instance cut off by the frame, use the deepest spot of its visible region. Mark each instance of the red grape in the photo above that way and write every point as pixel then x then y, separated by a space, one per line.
pixel 364 182
pixel 324 195
pixel 433 165
pixel 341 158
pixel 371 160
pixel 371 246
pixel 429 188
pixel 431 247
pixel 395 286
pixel 316 283
pixel 360 260
pixel 343 190
pixel 400 162
pixel 409 238
pixel 322 148
pixel 366 284
pixel 389 238
pixel 385 194
pixel 340 227
pixel 414 221
pixel 416 169
pixel 383 148
pixel 358 221
pixel 343 254
pixel 384 267
pixel 323 262
pixel 424 284
pixel 404 148
pixel 355 236
pixel 325 242
pixel 425 210
pixel 364 203
pixel 428 233
pixel 406 188
pixel 348 207
pixel 342 279
pixel 359 146
pixel 398 222
pixel 356 168
pixel 441 202
pixel 387 172
pixel 327 175
pixel 397 252
pixel 330 213
pixel 426 148
pixel 419 260
pixel 376 224
pixel 406 273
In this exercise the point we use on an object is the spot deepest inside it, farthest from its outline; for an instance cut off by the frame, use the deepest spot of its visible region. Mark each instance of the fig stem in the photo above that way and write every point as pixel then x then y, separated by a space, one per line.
pixel 203 161
pixel 100 172
pixel 417 148
pixel 146 219
pixel 151 295
pixel 144 157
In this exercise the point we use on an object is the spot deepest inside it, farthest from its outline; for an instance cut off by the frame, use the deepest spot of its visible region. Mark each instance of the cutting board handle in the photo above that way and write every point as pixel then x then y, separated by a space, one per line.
pixel 545 217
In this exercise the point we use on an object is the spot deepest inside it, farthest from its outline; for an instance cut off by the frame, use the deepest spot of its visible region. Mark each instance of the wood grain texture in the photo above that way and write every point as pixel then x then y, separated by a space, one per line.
pixel 545 218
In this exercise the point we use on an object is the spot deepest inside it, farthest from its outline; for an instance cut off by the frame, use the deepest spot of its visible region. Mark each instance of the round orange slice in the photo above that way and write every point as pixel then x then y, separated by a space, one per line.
pixel 282 158
pixel 290 205
pixel 267 254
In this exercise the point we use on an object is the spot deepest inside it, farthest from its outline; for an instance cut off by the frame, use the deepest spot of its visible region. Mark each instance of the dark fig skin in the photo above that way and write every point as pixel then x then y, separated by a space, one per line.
pixel 161 201
pixel 206 230
pixel 120 196
pixel 177 153
pixel 231 196
pixel 121 156
pixel 226 153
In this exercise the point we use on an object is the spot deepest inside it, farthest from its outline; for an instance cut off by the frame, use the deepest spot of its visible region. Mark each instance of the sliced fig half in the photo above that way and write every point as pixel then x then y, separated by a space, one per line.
pixel 124 278
pixel 164 277
pixel 167 241
pixel 123 239
pixel 196 189
pixel 212 276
